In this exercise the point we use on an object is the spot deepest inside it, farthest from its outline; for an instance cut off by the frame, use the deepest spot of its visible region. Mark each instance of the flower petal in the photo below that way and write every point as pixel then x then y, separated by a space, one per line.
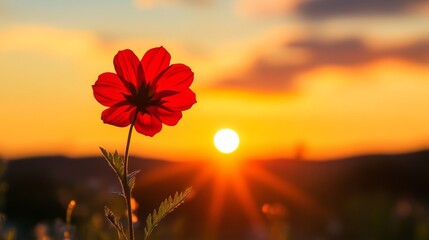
pixel 179 102
pixel 120 116
pixel 169 118
pixel 177 77
pixel 127 66
pixel 147 124
pixel 109 89
pixel 154 62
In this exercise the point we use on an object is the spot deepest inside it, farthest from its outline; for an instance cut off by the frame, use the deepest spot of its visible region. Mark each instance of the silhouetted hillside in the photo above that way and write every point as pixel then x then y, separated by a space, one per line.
pixel 365 197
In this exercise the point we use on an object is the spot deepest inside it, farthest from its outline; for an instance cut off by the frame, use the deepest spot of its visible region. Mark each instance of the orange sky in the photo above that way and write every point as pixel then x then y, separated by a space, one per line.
pixel 285 77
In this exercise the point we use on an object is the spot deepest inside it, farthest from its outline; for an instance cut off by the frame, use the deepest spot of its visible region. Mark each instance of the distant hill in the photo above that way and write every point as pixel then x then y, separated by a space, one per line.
pixel 363 197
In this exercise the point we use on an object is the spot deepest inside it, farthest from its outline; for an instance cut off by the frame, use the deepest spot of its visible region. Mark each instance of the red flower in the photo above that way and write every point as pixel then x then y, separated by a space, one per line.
pixel 151 91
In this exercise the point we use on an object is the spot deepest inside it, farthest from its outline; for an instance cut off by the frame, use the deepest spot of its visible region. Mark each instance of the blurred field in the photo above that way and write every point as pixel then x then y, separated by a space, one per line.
pixel 364 197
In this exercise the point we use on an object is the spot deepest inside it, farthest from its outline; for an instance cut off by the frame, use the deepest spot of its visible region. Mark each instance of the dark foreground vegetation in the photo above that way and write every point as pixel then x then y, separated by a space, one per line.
pixel 365 197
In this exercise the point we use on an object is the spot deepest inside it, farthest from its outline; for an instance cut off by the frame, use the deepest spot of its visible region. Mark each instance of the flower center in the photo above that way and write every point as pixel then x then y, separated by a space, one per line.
pixel 143 98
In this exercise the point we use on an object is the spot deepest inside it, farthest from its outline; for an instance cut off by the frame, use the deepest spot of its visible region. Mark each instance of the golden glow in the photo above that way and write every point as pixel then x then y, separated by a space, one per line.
pixel 226 140
pixel 322 114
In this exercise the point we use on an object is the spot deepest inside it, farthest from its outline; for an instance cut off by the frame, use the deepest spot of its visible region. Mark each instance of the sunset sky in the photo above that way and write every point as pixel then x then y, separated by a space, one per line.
pixel 326 78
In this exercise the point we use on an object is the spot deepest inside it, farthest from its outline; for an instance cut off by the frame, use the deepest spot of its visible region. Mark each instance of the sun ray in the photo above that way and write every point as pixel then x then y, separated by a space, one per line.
pixel 203 176
pixel 283 187
pixel 219 179
pixel 247 201
pixel 216 206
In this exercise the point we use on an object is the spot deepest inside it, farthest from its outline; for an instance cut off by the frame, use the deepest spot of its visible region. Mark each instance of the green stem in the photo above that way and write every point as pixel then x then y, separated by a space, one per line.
pixel 127 190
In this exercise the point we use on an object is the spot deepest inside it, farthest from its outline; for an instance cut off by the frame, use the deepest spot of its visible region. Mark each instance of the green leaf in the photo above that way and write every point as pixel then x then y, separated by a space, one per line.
pixel 115 161
pixel 115 222
pixel 131 179
pixel 167 206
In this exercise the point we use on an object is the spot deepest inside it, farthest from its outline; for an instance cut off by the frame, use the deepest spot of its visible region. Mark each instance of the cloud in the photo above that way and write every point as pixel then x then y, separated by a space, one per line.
pixel 323 9
pixel 331 8
pixel 354 51
pixel 266 75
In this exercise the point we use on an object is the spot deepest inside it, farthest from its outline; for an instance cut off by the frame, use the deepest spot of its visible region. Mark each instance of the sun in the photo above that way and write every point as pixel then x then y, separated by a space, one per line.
pixel 226 140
